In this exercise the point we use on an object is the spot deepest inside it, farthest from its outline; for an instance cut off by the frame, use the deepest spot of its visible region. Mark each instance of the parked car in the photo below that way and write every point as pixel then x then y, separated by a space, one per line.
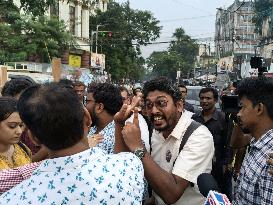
pixel 193 98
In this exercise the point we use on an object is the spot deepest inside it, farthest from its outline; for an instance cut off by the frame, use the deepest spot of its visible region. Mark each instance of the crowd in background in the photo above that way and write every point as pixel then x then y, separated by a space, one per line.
pixel 71 143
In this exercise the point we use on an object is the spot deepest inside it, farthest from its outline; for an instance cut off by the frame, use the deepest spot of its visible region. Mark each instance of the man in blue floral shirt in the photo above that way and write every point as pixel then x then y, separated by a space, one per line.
pixel 103 102
pixel 74 173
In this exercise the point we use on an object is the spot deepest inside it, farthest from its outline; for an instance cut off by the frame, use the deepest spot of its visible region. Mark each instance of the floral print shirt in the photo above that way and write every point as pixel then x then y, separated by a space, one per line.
pixel 88 177
pixel 108 134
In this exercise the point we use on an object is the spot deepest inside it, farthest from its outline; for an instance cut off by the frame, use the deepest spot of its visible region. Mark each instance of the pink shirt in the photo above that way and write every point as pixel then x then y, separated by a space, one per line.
pixel 11 177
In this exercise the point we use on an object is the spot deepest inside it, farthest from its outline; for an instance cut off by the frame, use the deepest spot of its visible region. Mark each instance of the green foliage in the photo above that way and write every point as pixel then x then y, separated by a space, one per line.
pixel 130 29
pixel 36 7
pixel 180 56
pixel 262 9
pixel 22 36
pixel 163 63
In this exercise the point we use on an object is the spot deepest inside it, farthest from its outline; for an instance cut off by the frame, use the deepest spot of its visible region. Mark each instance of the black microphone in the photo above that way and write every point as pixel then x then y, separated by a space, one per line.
pixel 208 187
pixel 206 183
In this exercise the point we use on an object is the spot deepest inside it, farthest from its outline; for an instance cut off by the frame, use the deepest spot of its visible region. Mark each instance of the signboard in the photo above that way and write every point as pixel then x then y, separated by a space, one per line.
pixel 3 76
pixel 75 61
pixel 98 61
pixel 56 69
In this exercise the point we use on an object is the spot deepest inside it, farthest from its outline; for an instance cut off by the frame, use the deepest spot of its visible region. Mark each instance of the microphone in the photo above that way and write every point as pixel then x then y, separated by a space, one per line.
pixel 208 188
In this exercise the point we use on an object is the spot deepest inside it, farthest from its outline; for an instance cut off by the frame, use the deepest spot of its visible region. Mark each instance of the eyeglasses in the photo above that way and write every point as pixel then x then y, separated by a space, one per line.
pixel 160 104
pixel 87 101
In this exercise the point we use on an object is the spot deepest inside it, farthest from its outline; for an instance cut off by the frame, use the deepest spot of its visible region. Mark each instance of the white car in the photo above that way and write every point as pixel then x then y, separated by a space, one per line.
pixel 193 98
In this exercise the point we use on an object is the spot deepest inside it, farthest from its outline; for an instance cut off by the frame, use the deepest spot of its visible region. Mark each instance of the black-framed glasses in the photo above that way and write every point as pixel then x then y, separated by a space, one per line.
pixel 87 101
pixel 159 103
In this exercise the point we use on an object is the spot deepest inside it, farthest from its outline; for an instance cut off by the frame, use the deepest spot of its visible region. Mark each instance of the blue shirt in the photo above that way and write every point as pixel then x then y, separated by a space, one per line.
pixel 89 177
pixel 255 185
pixel 108 134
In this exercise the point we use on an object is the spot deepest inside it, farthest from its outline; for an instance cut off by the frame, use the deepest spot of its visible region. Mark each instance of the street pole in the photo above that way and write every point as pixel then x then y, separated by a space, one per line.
pixel 97 28
pixel 91 41
pixel 97 31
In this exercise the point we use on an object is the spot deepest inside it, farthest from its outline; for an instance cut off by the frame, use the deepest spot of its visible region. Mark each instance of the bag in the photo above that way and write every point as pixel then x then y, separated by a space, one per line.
pixel 24 147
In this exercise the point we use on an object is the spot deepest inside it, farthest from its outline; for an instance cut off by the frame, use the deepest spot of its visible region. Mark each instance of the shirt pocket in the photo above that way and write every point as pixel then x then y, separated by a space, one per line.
pixel 251 180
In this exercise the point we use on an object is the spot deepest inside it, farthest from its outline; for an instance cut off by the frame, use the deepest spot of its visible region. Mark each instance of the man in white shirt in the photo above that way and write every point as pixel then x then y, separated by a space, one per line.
pixel 172 175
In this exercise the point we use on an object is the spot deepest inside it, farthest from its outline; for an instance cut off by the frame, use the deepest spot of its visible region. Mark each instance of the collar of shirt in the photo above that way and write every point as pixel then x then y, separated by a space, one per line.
pixel 215 114
pixel 260 143
pixel 108 127
pixel 70 162
pixel 182 125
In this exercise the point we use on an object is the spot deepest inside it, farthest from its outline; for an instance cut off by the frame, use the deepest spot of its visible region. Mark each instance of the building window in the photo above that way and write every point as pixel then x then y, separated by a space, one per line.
pixel 72 21
pixel 54 9
pixel 103 6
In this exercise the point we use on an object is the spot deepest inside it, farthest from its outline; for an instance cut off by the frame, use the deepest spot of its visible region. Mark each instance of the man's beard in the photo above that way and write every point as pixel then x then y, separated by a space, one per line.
pixel 94 118
pixel 169 123
pixel 246 130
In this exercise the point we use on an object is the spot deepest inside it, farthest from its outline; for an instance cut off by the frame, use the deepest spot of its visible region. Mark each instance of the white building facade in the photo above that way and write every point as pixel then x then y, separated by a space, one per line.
pixel 76 15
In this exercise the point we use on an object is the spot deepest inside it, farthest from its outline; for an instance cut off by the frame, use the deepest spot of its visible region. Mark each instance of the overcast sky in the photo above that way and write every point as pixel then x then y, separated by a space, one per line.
pixel 197 17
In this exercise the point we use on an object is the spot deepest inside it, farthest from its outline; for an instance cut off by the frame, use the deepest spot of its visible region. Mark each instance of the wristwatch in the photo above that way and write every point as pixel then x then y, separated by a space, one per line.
pixel 140 152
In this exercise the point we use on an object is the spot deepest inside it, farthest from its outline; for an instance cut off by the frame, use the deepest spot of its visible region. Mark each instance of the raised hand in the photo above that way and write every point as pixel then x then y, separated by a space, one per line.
pixel 94 140
pixel 126 111
pixel 131 133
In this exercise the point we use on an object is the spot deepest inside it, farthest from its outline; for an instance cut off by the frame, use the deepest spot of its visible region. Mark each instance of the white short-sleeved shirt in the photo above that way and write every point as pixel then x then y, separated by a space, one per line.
pixel 193 160
pixel 89 177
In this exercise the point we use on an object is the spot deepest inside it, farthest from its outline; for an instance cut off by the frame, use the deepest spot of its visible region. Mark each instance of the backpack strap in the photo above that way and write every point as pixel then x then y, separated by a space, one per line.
pixel 193 126
pixel 23 146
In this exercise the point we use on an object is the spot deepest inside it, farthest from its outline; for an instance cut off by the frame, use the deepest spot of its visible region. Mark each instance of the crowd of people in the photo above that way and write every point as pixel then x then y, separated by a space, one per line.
pixel 68 143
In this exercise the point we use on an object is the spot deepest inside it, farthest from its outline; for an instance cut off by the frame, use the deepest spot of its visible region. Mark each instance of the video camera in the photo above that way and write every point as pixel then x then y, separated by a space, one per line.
pixel 230 104
pixel 258 62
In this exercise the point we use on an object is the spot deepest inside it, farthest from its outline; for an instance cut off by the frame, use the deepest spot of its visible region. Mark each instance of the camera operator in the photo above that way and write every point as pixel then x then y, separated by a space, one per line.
pixel 237 148
pixel 215 121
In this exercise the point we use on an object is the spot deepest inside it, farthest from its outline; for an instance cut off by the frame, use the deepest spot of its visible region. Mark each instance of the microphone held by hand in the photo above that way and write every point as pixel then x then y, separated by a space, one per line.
pixel 208 188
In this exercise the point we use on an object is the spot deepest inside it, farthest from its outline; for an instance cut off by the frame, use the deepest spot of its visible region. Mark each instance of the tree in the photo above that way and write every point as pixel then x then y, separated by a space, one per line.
pixel 24 36
pixel 179 56
pixel 185 49
pixel 130 29
pixel 262 9
pixel 34 7
pixel 163 63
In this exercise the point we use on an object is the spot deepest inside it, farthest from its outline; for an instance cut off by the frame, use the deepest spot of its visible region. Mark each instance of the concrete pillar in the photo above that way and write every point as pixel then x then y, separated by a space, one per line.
pixel 78 14
pixel 85 23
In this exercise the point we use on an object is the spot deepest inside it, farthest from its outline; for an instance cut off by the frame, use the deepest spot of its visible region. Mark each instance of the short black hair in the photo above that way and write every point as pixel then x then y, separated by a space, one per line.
pixel 54 114
pixel 258 90
pixel 78 83
pixel 123 89
pixel 8 105
pixel 162 84
pixel 66 82
pixel 181 85
pixel 15 86
pixel 107 94
pixel 214 92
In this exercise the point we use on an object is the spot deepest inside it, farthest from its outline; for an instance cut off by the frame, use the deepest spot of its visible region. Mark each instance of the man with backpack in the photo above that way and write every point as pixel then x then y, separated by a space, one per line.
pixel 181 149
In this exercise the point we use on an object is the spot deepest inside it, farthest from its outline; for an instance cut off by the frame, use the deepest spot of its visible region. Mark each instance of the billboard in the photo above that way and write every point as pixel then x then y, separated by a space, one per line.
pixel 75 61
pixel 98 61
